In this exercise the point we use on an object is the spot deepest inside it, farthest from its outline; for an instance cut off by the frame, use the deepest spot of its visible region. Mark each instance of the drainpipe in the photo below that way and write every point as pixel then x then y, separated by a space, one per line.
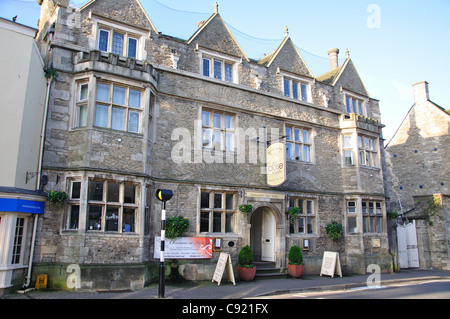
pixel 41 154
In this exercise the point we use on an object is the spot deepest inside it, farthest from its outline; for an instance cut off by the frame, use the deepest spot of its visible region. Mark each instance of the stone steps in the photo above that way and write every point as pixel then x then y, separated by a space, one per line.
pixel 266 270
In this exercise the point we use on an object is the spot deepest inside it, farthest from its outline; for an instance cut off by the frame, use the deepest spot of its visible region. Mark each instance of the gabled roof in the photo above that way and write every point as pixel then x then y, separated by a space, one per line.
pixel 218 36
pixel 120 11
pixel 347 68
pixel 287 46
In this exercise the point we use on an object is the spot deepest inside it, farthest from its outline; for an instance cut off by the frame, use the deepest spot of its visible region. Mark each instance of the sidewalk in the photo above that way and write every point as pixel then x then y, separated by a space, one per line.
pixel 226 290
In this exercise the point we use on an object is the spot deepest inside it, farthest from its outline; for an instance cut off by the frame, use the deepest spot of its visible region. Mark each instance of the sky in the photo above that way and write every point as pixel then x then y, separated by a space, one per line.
pixel 393 44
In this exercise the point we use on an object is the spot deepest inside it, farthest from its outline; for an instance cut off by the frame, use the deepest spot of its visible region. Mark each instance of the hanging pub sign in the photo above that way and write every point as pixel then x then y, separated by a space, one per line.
pixel 276 164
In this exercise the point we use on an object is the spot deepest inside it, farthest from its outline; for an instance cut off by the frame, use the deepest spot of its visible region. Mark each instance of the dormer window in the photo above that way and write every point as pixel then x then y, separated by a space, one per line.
pixel 355 104
pixel 298 88
pixel 219 67
pixel 119 43
pixel 123 40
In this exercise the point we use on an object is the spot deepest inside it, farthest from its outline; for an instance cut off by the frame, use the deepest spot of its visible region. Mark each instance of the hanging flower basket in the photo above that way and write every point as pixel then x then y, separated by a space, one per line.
pixel 292 213
pixel 57 198
pixel 246 208
pixel 334 230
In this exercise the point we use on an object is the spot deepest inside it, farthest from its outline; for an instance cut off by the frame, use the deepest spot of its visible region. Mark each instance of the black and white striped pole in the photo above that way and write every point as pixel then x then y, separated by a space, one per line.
pixel 163 195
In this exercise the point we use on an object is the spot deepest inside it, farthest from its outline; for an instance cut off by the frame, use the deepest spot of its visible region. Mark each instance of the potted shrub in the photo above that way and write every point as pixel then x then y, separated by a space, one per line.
pixel 246 269
pixel 295 262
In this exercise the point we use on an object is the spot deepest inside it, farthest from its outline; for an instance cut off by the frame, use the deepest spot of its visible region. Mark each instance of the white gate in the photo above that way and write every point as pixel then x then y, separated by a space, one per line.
pixel 408 254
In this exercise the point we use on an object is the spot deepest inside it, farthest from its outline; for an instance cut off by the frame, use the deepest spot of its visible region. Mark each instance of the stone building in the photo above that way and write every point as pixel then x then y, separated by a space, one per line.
pixel 134 110
pixel 418 177
pixel 22 105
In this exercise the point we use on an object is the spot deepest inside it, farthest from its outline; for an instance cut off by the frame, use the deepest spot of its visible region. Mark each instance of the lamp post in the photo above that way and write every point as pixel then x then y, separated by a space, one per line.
pixel 163 195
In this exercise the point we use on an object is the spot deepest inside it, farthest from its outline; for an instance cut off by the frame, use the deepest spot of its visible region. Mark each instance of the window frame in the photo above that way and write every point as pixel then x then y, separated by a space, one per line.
pixel 302 146
pixel 354 103
pixel 292 87
pixel 81 118
pixel 228 216
pixel 309 229
pixel 225 72
pixel 367 152
pixel 107 206
pixel 127 34
pixel 111 106
pixel 210 129
pixel 372 221
pixel 19 245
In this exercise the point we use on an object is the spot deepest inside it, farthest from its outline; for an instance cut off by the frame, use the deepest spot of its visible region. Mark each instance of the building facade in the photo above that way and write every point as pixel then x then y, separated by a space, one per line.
pixel 22 106
pixel 418 178
pixel 134 110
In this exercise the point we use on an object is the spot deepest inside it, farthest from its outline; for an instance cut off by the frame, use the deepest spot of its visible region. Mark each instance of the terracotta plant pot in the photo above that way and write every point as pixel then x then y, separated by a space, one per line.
pixel 246 274
pixel 296 271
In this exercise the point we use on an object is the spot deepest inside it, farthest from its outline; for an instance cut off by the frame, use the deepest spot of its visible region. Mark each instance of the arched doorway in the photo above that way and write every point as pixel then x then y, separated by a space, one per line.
pixel 263 234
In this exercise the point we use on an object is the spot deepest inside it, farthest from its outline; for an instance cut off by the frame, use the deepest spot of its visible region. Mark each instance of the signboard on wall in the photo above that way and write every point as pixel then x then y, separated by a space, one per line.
pixel 185 248
pixel 276 164
pixel 21 206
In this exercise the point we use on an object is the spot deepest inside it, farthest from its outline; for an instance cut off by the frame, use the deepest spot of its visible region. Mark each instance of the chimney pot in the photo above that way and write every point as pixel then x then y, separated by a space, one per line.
pixel 333 53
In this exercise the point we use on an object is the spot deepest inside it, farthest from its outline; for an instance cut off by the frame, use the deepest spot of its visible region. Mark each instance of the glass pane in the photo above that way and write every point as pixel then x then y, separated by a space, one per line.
pixel 95 191
pixel 310 225
pixel 119 95
pixel 371 208
pixel 112 219
pixel 378 208
pixel 379 225
pixel 354 106
pixel 128 220
pixel 348 157
pixel 217 118
pixel 204 222
pixel 301 225
pixel 217 140
pixel 134 100
pixel 95 218
pixel 347 141
pixel 229 145
pixel 132 45
pixel 129 194
pixel 309 207
pixel 76 187
pixel 305 136
pixel 295 90
pixel 217 223
pixel 289 151
pixel 117 47
pixel 83 92
pixel 228 72
pixel 297 135
pixel 351 224
pixel 288 133
pixel 206 119
pixel 82 115
pixel 118 119
pixel 103 40
pixel 217 200
pixel 304 92
pixel 207 138
pixel 360 108
pixel 217 69
pixel 133 122
pixel 306 153
pixel 230 223
pixel 113 192
pixel 101 115
pixel 229 201
pixel 298 152
pixel 103 92
pixel 347 103
pixel 287 87
pixel 365 224
pixel 372 224
pixel 74 217
pixel 228 122
pixel 204 200
pixel 206 64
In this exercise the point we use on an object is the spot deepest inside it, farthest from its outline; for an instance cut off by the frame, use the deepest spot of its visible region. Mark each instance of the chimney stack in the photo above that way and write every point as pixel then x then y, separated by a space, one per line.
pixel 421 92
pixel 333 53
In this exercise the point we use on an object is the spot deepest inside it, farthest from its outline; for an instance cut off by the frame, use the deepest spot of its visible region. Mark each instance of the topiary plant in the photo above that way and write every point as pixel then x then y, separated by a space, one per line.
pixel 245 257
pixel 295 256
